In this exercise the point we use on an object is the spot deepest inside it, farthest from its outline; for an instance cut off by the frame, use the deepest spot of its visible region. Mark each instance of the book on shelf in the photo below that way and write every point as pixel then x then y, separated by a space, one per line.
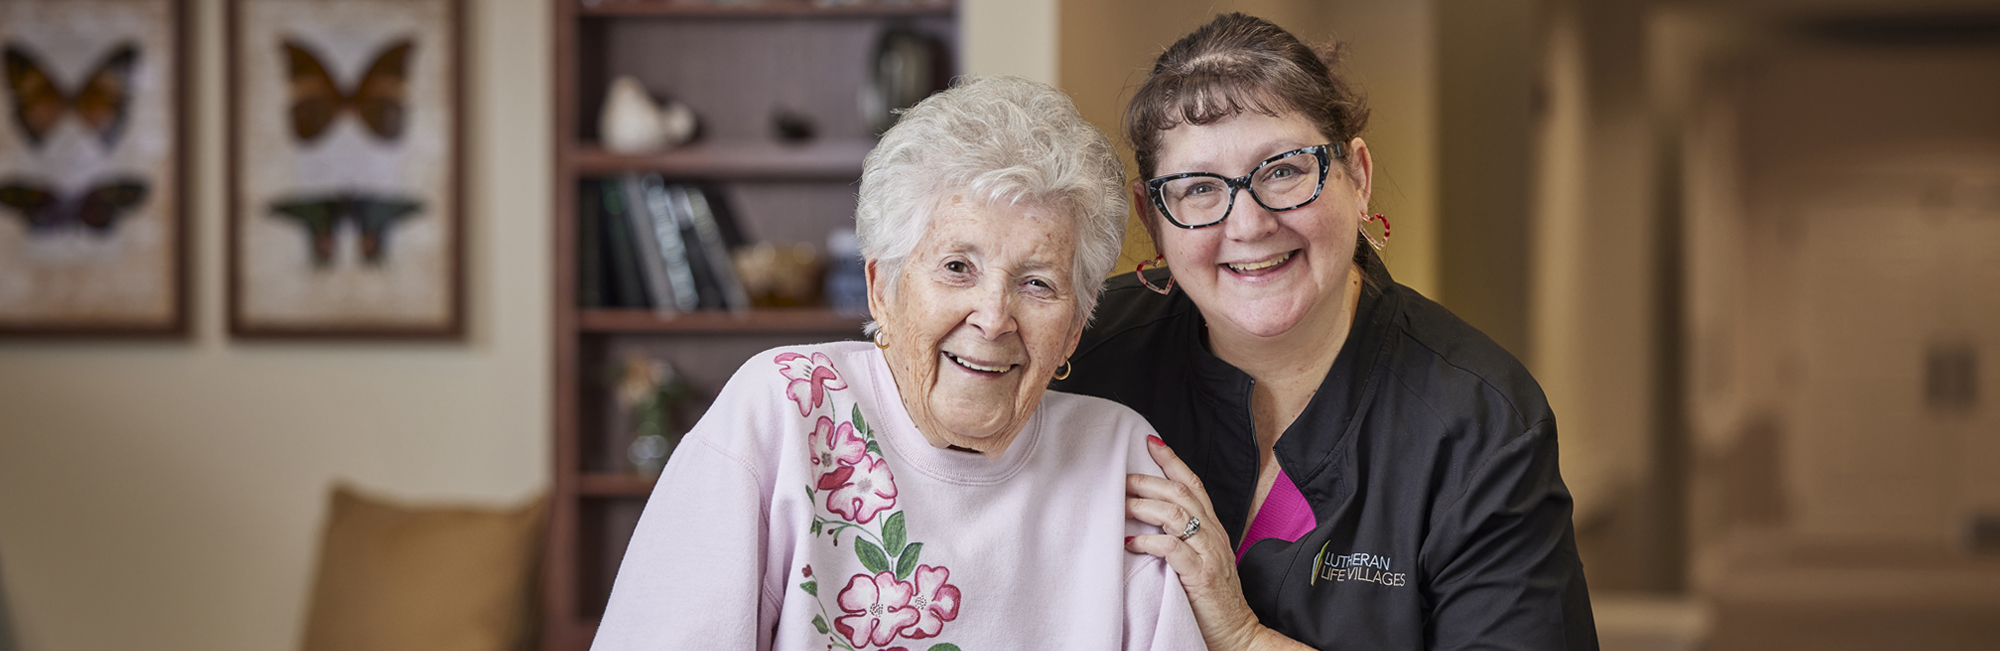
pixel 622 275
pixel 661 246
pixel 650 244
pixel 589 249
pixel 723 290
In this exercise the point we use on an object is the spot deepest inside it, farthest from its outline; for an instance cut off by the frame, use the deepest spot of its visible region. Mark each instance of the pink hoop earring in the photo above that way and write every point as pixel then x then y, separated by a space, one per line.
pixel 1378 244
pixel 1157 261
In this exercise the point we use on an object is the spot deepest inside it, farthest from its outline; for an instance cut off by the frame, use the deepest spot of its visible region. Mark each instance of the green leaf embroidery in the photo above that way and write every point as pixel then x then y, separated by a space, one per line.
pixel 819 622
pixel 860 424
pixel 873 448
pixel 893 534
pixel 908 563
pixel 871 556
pixel 811 587
pixel 942 647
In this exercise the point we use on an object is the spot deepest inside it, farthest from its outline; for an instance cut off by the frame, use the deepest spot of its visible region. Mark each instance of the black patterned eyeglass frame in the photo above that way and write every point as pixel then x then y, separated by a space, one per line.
pixel 1326 154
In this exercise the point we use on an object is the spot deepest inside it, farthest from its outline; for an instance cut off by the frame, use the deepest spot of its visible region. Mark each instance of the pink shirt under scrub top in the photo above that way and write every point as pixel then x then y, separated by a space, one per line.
pixel 807 512
pixel 1285 516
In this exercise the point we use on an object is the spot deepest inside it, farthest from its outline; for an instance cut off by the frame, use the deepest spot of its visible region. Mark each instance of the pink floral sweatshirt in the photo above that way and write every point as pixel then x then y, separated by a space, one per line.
pixel 805 511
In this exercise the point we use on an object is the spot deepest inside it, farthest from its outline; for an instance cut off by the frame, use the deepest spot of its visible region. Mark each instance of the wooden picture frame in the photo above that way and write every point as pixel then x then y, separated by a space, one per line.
pixel 346 143
pixel 93 200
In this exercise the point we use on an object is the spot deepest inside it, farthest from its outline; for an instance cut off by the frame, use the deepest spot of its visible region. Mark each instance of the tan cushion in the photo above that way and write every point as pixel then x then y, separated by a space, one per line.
pixel 395 577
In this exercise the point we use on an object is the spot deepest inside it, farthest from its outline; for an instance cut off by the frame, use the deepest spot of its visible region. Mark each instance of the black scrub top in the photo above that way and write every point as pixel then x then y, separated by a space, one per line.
pixel 1428 456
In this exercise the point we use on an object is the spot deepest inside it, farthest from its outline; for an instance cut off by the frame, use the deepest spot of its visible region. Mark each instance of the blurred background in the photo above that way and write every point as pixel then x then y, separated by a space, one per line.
pixel 1751 249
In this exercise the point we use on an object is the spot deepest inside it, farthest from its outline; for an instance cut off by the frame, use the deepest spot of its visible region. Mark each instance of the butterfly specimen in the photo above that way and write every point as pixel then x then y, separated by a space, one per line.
pixel 96 208
pixel 39 104
pixel 371 215
pixel 377 99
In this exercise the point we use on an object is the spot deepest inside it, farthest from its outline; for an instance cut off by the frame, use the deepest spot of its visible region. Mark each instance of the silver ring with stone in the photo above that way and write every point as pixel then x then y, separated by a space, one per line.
pixel 1193 525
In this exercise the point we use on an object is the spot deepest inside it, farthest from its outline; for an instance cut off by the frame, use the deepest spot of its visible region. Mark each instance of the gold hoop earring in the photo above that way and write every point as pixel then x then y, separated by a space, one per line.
pixel 1062 372
pixel 879 343
pixel 1140 271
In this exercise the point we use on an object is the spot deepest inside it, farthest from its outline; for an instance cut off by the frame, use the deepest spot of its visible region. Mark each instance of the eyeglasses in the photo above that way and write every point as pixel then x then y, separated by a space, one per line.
pixel 1200 199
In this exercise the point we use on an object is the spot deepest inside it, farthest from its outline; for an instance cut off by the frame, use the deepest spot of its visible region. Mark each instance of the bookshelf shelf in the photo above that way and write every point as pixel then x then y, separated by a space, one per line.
pixel 740 160
pixel 756 9
pixel 761 321
pixel 613 485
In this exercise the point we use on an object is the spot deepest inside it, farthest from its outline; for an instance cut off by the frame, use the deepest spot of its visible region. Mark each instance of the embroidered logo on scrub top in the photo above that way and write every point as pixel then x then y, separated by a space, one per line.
pixel 1356 566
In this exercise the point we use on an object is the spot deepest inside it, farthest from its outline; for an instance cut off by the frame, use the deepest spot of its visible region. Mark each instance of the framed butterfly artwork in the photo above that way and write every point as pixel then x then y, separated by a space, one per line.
pixel 92 207
pixel 344 169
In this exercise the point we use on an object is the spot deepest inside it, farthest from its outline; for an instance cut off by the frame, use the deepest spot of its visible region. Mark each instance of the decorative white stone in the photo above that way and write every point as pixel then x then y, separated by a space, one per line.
pixel 633 123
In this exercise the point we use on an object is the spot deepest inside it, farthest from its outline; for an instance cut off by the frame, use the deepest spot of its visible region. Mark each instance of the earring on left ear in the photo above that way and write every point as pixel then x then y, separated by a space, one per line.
pixel 1378 244
pixel 1062 372
pixel 1156 262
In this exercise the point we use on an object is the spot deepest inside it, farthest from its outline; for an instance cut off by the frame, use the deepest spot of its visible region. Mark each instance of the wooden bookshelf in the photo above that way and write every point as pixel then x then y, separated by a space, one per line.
pixel 774 320
pixel 763 8
pixel 736 64
pixel 613 485
pixel 745 160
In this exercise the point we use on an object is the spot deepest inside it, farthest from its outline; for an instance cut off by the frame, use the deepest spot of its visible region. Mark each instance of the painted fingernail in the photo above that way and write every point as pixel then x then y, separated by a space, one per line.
pixel 1128 540
pixel 1155 440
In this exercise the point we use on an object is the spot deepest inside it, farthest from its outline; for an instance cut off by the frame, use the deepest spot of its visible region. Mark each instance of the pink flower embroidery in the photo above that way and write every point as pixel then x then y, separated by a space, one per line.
pixel 878 606
pixel 935 600
pixel 811 378
pixel 835 451
pixel 836 445
pixel 861 493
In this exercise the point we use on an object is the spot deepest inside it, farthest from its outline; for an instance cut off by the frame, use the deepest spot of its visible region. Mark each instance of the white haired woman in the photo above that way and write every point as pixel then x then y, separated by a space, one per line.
pixel 925 492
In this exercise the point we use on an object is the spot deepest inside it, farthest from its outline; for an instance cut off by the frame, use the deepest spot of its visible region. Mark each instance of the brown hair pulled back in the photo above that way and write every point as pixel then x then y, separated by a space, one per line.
pixel 1238 63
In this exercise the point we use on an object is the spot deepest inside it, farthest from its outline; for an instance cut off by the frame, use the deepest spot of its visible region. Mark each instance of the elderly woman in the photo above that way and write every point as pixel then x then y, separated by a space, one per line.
pixel 1357 468
pixel 925 491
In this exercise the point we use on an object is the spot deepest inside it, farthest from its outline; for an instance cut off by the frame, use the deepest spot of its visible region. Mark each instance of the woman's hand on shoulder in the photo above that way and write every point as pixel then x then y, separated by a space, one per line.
pixel 1205 562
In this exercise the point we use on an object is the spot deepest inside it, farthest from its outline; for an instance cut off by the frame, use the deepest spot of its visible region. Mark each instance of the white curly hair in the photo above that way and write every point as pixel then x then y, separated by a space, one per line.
pixel 1003 141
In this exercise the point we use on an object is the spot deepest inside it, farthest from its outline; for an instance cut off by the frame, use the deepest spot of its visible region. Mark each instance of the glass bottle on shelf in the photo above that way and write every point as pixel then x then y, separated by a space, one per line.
pixel 649 390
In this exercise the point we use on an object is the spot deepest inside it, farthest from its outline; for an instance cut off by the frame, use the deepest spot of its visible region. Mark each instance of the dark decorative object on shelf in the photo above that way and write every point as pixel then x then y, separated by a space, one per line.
pixel 792 127
pixel 907 67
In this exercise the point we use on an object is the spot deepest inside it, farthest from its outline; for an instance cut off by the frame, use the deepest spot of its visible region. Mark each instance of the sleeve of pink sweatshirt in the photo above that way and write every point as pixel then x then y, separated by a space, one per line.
pixel 1157 613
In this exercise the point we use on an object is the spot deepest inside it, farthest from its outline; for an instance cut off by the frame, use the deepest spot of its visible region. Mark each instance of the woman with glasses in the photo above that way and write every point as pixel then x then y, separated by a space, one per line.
pixel 1348 465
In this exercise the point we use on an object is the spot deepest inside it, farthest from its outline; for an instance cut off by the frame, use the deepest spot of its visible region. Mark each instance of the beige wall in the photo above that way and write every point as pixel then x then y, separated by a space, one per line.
pixel 1486 63
pixel 1595 320
pixel 168 495
pixel 1009 37
pixel 1851 257
pixel 1107 46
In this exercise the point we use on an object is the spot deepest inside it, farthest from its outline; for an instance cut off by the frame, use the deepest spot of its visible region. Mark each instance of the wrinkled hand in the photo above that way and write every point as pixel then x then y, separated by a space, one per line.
pixel 1205 561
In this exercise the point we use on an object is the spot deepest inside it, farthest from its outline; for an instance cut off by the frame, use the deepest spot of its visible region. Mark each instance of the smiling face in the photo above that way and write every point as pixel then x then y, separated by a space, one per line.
pixel 977 320
pixel 1261 273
